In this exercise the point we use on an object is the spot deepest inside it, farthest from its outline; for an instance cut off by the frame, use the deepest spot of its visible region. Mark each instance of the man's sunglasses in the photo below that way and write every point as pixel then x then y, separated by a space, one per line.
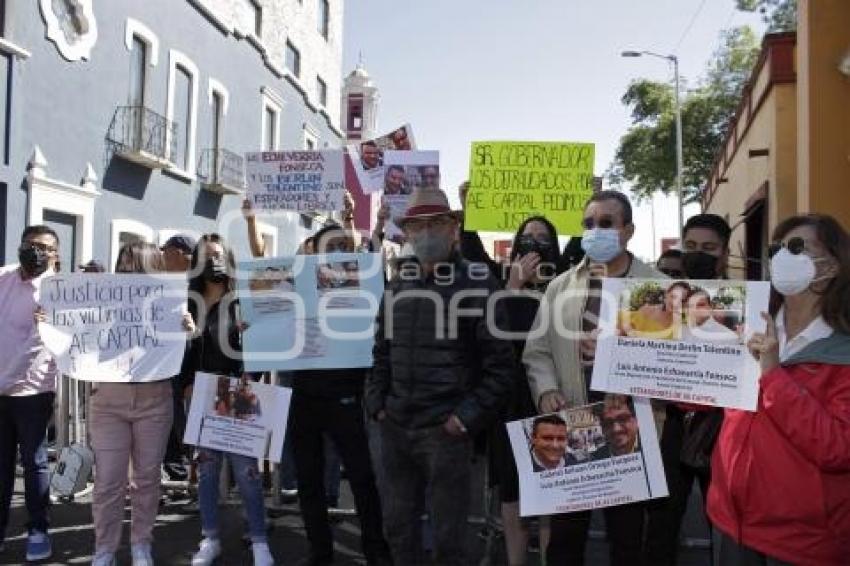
pixel 589 223
pixel 794 245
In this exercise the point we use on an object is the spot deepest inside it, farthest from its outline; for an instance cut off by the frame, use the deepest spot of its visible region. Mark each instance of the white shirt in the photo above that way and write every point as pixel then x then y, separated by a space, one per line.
pixel 816 330
pixel 710 331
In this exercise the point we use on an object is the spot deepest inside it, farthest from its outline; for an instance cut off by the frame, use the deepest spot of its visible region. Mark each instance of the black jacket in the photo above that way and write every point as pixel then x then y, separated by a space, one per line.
pixel 206 352
pixel 421 376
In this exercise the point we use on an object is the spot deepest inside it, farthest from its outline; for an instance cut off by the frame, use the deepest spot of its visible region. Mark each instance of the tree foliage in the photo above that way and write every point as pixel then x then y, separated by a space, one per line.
pixel 646 156
pixel 779 15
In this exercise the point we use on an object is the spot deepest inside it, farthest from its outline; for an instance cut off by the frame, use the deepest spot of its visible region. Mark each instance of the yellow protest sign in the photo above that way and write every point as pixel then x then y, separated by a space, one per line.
pixel 510 181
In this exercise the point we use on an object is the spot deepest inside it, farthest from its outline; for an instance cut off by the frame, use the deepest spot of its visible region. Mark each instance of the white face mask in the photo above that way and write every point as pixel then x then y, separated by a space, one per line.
pixel 601 244
pixel 791 274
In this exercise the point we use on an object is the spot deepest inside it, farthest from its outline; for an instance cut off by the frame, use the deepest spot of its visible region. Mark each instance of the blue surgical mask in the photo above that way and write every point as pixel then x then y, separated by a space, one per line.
pixel 601 244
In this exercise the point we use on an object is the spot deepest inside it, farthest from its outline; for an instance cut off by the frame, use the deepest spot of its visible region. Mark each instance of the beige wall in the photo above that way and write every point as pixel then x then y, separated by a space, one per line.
pixel 824 108
pixel 772 128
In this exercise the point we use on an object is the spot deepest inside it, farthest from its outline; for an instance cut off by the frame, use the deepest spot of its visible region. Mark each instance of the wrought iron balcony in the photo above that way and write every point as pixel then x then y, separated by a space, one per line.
pixel 222 171
pixel 141 135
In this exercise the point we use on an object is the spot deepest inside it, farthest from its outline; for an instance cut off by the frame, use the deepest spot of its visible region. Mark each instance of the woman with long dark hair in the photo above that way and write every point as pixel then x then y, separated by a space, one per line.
pixel 129 427
pixel 780 485
pixel 216 348
pixel 535 260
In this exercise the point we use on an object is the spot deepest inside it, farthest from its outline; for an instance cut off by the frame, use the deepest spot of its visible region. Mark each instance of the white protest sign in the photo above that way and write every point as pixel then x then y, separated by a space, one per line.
pixel 589 457
pixel 238 415
pixel 680 340
pixel 119 328
pixel 296 181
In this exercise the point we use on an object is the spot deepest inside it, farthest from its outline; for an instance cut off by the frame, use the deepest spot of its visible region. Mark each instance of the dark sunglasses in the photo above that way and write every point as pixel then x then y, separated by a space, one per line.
pixel 589 223
pixel 531 240
pixel 795 245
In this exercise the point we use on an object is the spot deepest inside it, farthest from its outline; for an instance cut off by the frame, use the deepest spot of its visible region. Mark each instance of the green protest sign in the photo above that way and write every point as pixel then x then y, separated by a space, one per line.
pixel 510 181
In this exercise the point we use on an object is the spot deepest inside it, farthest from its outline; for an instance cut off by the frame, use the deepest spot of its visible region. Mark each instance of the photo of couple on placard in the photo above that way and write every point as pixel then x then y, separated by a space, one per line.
pixel 689 311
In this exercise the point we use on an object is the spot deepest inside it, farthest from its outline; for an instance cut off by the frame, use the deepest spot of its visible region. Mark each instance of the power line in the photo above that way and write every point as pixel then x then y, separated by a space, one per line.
pixel 689 26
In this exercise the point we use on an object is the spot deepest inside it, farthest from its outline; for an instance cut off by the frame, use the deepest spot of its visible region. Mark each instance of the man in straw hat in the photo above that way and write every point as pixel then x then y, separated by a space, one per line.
pixel 439 377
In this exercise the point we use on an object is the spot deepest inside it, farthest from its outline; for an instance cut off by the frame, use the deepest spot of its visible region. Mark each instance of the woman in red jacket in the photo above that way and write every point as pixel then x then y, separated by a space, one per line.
pixel 780 491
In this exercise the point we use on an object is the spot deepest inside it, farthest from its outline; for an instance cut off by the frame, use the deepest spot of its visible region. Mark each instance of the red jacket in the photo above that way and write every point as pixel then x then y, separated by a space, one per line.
pixel 780 477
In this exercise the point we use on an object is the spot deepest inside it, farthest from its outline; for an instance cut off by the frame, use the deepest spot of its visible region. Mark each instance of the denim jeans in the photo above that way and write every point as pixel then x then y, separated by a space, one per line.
pixel 248 478
pixel 23 424
pixel 429 457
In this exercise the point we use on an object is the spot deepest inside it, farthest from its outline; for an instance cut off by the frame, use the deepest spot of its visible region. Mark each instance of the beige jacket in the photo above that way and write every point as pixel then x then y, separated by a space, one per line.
pixel 553 362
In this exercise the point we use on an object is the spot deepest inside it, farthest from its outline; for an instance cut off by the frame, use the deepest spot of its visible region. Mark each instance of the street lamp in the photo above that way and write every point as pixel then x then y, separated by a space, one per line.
pixel 679 161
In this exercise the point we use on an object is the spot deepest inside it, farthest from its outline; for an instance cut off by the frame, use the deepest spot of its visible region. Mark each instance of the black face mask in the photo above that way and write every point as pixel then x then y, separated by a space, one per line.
pixel 215 270
pixel 34 260
pixel 700 265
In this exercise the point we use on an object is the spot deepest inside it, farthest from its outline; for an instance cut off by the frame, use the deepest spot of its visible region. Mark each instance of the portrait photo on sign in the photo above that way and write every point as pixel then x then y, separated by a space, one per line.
pixel 594 432
pixel 342 275
pixel 688 311
pixel 371 156
pixel 588 457
pixel 272 278
pixel 236 398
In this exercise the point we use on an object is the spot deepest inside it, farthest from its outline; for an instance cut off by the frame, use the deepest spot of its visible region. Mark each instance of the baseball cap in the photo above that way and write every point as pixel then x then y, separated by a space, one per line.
pixel 182 242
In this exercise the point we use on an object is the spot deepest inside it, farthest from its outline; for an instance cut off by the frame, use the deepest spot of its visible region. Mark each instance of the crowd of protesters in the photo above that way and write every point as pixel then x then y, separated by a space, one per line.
pixel 775 482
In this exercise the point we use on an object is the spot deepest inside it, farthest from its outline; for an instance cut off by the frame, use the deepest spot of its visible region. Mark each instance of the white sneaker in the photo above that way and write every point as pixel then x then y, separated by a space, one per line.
pixel 141 554
pixel 209 550
pixel 262 554
pixel 103 559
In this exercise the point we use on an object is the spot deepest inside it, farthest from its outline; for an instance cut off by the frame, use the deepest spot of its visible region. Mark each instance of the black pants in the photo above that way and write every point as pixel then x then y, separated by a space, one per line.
pixel 342 420
pixel 665 515
pixel 429 457
pixel 23 426
pixel 175 451
pixel 624 525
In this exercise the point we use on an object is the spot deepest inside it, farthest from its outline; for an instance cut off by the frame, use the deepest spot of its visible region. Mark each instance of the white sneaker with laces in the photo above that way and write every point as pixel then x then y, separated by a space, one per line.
pixel 141 554
pixel 262 554
pixel 209 550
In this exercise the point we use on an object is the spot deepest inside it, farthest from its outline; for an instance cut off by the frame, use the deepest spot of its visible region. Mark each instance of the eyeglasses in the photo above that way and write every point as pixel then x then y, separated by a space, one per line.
pixel 795 246
pixel 39 246
pixel 590 223
pixel 674 273
pixel 422 223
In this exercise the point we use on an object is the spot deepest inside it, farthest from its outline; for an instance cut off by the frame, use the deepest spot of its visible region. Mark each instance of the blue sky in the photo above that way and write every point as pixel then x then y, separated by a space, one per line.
pixel 464 70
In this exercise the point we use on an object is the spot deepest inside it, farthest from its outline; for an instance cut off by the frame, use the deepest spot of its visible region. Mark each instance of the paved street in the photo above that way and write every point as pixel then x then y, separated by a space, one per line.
pixel 178 528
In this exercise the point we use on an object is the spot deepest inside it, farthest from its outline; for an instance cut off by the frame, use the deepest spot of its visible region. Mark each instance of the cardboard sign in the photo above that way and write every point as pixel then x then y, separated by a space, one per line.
pixel 310 312
pixel 589 457
pixel 510 181
pixel 680 340
pixel 119 327
pixel 296 181
pixel 368 156
pixel 238 415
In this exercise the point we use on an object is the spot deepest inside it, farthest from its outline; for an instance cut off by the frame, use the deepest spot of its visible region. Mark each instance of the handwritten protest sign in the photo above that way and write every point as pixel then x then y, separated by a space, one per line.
pixel 120 328
pixel 368 156
pixel 588 457
pixel 297 181
pixel 310 312
pixel 238 415
pixel 510 181
pixel 680 340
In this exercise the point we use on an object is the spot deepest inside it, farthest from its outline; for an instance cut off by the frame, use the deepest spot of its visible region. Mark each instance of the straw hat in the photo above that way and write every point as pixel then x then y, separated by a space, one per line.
pixel 426 203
